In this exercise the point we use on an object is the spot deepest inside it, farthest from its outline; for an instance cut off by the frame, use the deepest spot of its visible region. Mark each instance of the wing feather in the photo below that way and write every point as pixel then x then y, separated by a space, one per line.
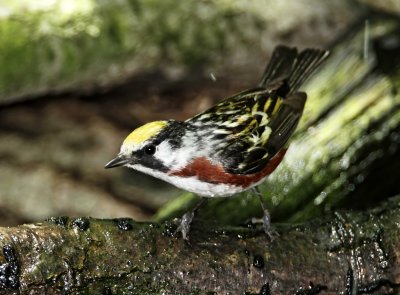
pixel 250 128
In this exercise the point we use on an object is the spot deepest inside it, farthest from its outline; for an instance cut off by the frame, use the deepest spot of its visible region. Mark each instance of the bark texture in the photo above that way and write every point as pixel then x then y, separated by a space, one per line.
pixel 344 253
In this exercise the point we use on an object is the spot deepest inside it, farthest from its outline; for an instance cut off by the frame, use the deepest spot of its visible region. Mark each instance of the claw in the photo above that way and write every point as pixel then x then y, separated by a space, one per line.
pixel 266 224
pixel 266 219
pixel 187 218
pixel 184 225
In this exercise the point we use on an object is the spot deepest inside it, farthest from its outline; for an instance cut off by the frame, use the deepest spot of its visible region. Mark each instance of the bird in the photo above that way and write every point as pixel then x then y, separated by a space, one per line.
pixel 234 145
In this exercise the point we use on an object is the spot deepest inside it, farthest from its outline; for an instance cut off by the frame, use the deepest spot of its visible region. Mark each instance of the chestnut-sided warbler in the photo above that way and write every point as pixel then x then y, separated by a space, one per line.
pixel 234 145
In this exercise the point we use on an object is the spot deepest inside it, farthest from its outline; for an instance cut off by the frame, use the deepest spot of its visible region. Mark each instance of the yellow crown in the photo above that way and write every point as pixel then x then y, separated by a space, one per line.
pixel 145 132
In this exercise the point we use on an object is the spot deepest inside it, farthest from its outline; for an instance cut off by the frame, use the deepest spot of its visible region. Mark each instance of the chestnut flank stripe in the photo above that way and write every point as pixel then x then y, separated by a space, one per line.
pixel 209 172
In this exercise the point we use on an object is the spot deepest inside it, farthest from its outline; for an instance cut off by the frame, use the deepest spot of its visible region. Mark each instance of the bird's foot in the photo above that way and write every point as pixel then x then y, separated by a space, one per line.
pixel 266 219
pixel 266 224
pixel 184 225
pixel 187 218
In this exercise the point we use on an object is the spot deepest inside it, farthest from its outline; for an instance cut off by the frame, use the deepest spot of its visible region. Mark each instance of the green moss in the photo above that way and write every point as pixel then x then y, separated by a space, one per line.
pixel 98 41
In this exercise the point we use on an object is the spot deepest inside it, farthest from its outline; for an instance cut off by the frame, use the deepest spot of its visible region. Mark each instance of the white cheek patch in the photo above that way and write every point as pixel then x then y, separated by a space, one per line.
pixel 177 158
pixel 165 154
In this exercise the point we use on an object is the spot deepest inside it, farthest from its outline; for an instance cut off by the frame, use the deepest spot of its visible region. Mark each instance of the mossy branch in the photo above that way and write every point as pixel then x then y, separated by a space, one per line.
pixel 344 253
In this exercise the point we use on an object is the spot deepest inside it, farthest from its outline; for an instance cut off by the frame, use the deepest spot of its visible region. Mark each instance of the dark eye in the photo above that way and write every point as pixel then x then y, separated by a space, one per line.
pixel 150 149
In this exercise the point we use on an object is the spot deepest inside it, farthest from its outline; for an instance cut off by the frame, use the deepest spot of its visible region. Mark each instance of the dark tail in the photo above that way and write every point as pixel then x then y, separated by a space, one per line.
pixel 293 68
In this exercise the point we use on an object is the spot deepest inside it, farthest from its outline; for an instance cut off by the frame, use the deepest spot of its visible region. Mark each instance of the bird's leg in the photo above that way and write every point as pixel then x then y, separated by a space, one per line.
pixel 187 218
pixel 266 219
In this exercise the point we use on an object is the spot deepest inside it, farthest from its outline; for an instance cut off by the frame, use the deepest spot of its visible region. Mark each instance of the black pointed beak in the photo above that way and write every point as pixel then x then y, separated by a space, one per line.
pixel 118 161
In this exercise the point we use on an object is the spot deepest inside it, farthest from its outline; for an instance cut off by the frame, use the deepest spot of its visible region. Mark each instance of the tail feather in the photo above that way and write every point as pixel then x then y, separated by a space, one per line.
pixel 305 64
pixel 280 65
pixel 293 68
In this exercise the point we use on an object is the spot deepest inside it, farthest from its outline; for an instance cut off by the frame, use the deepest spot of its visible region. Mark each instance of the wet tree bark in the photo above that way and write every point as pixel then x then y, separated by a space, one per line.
pixel 344 253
